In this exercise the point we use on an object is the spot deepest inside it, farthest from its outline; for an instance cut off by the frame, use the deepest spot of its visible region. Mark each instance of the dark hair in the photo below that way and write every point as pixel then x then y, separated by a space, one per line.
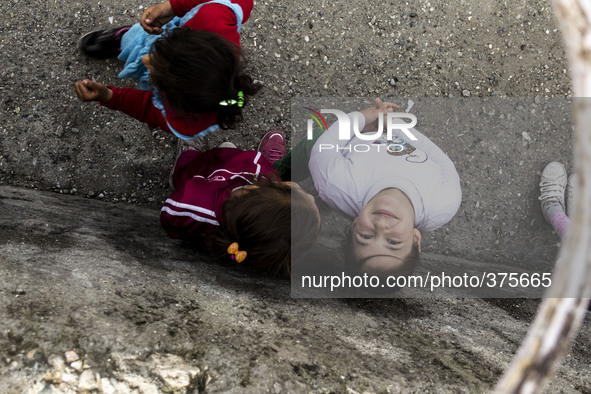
pixel 409 264
pixel 196 69
pixel 260 220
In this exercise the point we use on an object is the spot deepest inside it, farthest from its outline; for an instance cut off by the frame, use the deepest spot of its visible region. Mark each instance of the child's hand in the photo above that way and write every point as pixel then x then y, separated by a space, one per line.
pixel 371 114
pixel 88 90
pixel 156 16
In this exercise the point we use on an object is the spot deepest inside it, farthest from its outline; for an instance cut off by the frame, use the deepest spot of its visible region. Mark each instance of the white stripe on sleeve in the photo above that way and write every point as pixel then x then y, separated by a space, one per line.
pixel 190 207
pixel 189 214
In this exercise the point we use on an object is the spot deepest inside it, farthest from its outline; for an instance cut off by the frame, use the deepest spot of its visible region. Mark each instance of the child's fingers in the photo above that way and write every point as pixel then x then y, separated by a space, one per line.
pixel 86 90
pixel 156 29
pixel 147 20
pixel 154 17
pixel 388 106
pixel 91 85
pixel 385 105
pixel 391 106
pixel 80 90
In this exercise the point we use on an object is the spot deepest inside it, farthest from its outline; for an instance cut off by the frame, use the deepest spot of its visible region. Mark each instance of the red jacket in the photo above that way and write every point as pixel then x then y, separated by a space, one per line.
pixel 137 103
pixel 203 182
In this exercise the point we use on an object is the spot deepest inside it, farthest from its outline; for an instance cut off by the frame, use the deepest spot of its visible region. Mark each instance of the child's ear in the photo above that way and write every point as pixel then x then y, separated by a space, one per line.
pixel 417 238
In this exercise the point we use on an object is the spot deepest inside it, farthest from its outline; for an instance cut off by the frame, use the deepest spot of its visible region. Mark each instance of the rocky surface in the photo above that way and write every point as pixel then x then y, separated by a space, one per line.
pixel 96 275
pixel 97 298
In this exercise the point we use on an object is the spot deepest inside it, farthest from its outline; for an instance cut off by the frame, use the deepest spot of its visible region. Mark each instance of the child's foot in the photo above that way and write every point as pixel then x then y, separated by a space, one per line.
pixel 552 187
pixel 273 146
pixel 227 144
pixel 181 147
pixel 102 44
pixel 571 188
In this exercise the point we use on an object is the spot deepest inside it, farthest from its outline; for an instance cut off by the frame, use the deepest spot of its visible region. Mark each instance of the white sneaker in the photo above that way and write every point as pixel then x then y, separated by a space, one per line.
pixel 571 189
pixel 552 186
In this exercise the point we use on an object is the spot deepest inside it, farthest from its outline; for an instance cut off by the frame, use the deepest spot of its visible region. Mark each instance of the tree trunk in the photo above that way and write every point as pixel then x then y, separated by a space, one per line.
pixel 565 303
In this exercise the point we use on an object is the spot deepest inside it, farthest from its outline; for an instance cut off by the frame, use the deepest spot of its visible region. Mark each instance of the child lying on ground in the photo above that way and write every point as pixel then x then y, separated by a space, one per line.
pixel 233 202
pixel 393 193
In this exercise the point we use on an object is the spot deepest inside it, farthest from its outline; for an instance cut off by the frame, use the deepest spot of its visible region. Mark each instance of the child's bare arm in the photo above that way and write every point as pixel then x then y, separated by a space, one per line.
pixel 372 114
pixel 88 90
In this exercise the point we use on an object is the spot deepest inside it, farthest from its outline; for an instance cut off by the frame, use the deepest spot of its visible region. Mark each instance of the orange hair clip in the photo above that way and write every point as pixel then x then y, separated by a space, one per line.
pixel 238 255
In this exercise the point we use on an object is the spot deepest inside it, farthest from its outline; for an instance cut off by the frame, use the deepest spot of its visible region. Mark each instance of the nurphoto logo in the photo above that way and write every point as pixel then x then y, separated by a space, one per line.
pixel 394 121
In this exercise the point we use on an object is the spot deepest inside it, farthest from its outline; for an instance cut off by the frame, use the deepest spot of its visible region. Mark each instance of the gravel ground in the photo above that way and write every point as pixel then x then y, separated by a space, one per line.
pixel 51 141
pixel 463 49
pixel 79 282
pixel 458 49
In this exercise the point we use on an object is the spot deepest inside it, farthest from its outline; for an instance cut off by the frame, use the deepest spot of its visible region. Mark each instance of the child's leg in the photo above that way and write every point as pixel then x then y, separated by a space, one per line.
pixel 552 188
pixel 301 154
pixel 560 222
pixel 102 44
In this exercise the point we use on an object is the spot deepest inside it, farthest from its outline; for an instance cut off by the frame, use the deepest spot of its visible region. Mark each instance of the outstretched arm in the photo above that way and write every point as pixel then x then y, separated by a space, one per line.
pixel 133 102
pixel 137 104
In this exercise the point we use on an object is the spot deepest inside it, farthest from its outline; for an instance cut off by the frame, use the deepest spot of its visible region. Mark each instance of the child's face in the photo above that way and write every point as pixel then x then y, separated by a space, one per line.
pixel 146 59
pixel 384 233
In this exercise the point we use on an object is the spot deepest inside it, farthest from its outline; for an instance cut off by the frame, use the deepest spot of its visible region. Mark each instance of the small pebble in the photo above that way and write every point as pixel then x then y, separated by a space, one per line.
pixel 71 356
pixel 56 361
pixel 66 377
pixel 466 93
pixel 89 380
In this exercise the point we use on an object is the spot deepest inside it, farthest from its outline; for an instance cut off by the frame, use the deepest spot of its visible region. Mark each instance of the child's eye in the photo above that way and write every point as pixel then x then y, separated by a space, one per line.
pixel 366 236
pixel 392 242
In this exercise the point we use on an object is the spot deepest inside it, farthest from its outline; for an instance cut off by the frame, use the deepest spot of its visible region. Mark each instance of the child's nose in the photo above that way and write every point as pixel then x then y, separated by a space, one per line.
pixel 384 224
